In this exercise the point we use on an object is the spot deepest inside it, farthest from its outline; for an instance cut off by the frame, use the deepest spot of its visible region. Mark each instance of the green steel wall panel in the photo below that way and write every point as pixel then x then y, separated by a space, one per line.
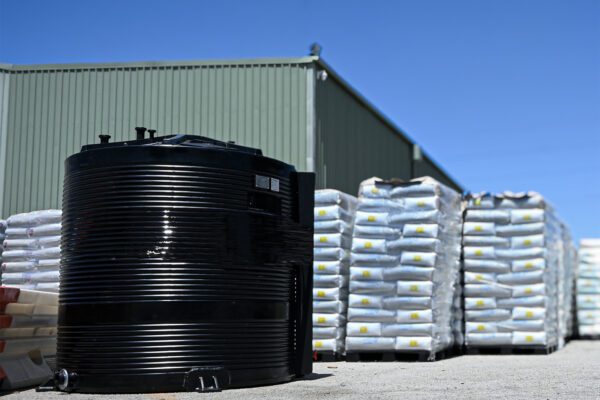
pixel 52 112
pixel 353 143
pixel 426 167
pixel 4 88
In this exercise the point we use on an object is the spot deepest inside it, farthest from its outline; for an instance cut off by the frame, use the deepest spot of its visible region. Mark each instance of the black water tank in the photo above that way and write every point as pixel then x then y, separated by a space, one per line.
pixel 187 265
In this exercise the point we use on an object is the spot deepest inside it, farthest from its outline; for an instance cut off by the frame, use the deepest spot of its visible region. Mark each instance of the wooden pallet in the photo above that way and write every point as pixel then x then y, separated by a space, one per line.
pixel 327 356
pixel 405 355
pixel 510 350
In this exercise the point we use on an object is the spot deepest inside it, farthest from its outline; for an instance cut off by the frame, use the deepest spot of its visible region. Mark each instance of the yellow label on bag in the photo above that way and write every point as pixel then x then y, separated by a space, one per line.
pixel 478 252
pixel 365 302
pixel 318 344
pixel 527 217
pixel 527 242
pixel 368 245
pixel 417 258
pixel 414 288
pixel 480 303
pixel 529 314
pixel 322 213
pixel 323 239
pixel 528 290
pixel 421 204
pixel 321 267
pixel 320 293
pixel 589 300
pixel 478 228
pixel 529 338
pixel 478 202
pixel 413 343
pixel 478 277
pixel 420 229
pixel 371 218
pixel 366 274
pixel 529 265
pixel 374 190
pixel 481 327
pixel 321 320
pixel 414 315
pixel 364 329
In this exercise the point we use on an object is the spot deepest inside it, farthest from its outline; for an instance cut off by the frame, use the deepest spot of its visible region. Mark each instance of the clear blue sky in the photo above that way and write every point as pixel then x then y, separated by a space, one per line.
pixel 505 95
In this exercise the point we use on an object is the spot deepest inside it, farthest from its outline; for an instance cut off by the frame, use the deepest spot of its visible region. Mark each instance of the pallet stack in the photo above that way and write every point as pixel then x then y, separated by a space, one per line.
pixel 28 321
pixel 404 267
pixel 334 212
pixel 588 289
pixel 31 258
pixel 513 253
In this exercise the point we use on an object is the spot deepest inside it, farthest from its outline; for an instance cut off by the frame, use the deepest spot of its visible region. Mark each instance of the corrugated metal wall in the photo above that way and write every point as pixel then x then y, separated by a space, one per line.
pixel 53 112
pixel 4 88
pixel 353 143
pixel 426 167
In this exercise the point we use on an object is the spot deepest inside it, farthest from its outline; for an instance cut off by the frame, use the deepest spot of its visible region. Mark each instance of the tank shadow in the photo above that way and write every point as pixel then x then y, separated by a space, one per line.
pixel 314 376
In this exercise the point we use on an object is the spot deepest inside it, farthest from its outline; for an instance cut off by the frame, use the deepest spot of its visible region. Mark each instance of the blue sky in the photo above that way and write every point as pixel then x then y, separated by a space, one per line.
pixel 505 95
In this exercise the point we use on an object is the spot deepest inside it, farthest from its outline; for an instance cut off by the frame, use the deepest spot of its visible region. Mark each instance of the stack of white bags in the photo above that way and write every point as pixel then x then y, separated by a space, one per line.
pixel 333 234
pixel 588 288
pixel 404 267
pixel 514 263
pixel 31 258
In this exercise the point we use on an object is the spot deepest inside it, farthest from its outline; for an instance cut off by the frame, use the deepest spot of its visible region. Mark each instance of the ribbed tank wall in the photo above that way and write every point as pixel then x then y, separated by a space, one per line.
pixel 174 265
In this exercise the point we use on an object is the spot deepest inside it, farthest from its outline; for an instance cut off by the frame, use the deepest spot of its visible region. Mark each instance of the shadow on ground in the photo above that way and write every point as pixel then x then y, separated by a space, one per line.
pixel 314 377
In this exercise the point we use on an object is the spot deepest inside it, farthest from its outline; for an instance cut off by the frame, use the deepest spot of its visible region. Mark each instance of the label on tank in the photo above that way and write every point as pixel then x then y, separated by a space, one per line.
pixel 262 182
pixel 275 184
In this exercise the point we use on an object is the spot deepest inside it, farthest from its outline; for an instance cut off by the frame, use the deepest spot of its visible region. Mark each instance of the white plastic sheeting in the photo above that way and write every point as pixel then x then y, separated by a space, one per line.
pixel 404 266
pixel 334 212
pixel 519 263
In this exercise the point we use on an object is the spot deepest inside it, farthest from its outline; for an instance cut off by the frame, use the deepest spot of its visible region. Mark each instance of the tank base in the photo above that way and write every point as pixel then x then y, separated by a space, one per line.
pixel 194 380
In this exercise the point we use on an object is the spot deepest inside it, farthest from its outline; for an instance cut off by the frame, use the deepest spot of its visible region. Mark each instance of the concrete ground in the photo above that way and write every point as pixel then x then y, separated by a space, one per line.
pixel 571 373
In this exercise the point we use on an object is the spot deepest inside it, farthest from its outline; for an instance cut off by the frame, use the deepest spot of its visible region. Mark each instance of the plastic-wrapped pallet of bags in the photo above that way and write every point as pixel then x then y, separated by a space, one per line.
pixel 334 212
pixel 513 257
pixel 404 267
pixel 31 258
pixel 588 289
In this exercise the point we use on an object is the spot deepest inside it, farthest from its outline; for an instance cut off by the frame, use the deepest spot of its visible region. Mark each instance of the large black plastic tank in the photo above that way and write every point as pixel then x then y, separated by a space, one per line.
pixel 187 265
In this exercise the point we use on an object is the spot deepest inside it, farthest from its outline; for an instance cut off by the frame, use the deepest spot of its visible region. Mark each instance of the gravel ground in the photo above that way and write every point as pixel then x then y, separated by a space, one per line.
pixel 571 373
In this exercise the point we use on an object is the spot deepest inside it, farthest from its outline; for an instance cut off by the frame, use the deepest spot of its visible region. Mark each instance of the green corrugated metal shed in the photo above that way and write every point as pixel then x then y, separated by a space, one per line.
pixel 297 110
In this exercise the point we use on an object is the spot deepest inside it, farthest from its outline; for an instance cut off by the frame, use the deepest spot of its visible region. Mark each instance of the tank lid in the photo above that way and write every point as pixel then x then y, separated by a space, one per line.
pixel 177 140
